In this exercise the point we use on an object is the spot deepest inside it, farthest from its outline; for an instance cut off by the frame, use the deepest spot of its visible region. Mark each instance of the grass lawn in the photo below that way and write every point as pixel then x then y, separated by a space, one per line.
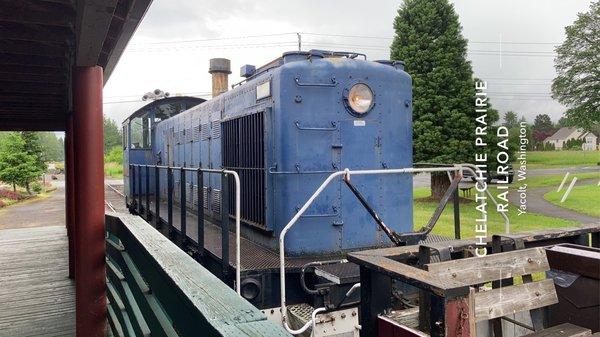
pixel 583 199
pixel 556 179
pixel 113 170
pixel 445 226
pixel 553 159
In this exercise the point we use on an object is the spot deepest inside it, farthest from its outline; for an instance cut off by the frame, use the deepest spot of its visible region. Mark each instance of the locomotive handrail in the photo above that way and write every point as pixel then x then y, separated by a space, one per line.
pixel 326 182
pixel 236 177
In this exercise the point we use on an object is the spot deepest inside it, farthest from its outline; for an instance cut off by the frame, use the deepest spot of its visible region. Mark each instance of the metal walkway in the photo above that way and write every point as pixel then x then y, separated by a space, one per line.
pixel 36 296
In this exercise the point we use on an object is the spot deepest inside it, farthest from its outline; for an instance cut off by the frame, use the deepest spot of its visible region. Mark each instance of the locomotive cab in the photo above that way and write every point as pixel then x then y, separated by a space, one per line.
pixel 139 135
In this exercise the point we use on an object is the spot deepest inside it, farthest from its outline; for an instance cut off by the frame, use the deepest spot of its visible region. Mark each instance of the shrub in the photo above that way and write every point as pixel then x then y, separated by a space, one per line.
pixel 2 204
pixel 7 194
pixel 115 155
pixel 60 167
pixel 37 187
pixel 113 170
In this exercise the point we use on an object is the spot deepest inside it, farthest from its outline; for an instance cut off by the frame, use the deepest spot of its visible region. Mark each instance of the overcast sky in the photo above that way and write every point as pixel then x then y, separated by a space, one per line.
pixel 511 43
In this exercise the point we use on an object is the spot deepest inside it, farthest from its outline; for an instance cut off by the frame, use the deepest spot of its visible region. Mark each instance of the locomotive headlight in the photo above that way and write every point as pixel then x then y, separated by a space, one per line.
pixel 360 98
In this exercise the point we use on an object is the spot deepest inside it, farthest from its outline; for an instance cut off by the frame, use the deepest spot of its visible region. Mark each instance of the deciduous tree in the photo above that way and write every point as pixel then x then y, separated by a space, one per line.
pixel 577 64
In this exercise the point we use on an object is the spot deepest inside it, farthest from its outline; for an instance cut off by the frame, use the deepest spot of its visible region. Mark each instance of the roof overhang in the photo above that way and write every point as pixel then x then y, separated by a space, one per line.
pixel 40 43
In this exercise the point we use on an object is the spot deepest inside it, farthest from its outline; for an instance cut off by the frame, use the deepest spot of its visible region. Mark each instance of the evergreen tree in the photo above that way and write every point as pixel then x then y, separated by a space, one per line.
pixel 52 146
pixel 33 147
pixel 429 40
pixel 17 165
pixel 112 135
pixel 511 119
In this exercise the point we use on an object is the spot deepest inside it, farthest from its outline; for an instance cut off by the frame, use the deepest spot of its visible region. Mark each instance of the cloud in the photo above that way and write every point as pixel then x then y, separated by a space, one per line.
pixel 518 75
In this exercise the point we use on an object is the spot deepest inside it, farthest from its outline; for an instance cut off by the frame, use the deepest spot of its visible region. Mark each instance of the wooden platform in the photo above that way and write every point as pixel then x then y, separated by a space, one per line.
pixel 36 296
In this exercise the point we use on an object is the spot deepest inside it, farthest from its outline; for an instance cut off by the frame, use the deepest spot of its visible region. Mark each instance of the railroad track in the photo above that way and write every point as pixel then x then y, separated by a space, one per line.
pixel 116 190
pixel 114 199
pixel 110 206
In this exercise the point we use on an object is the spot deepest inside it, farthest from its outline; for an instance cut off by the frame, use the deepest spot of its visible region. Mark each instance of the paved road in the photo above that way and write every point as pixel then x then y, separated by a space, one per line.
pixel 36 213
pixel 537 204
pixel 423 179
pixel 51 210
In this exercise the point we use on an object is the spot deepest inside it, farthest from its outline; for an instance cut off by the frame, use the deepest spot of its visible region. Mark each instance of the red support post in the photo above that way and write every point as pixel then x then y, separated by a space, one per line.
pixel 70 194
pixel 90 268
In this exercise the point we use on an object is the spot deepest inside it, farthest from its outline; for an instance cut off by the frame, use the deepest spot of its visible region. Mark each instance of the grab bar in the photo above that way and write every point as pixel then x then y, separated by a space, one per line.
pixel 308 128
pixel 316 84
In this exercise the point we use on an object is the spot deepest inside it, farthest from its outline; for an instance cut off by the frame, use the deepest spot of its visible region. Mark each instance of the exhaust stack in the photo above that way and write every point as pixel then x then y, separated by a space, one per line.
pixel 220 69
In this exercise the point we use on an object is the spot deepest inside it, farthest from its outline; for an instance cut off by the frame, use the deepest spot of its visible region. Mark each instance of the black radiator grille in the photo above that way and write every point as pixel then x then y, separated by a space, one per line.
pixel 243 152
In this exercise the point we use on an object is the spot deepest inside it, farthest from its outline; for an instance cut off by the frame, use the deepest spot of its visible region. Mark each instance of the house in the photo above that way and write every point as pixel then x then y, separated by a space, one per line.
pixel 560 137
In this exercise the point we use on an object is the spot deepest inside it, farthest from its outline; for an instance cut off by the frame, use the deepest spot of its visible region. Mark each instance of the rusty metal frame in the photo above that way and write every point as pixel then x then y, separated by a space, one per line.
pixel 379 267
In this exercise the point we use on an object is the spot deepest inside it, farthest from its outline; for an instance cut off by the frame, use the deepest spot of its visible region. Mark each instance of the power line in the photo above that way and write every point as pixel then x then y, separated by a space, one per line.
pixel 470 41
pixel 212 39
pixel 247 45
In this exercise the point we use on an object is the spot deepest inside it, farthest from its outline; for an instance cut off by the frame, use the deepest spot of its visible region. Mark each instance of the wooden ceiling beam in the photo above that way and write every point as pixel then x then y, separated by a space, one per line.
pixel 31 69
pixel 32 48
pixel 39 13
pixel 27 88
pixel 93 20
pixel 33 78
pixel 32 32
pixel 33 104
pixel 132 16
pixel 33 60
pixel 34 124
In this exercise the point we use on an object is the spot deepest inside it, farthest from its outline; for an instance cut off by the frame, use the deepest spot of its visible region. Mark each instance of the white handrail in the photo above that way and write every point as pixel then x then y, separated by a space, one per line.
pixel 238 266
pixel 347 172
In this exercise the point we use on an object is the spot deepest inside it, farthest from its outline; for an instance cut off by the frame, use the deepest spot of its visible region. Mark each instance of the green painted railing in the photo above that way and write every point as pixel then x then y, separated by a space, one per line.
pixel 156 289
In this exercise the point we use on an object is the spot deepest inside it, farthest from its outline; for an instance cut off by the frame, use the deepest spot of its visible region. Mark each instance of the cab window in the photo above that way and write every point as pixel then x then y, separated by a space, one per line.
pixel 141 132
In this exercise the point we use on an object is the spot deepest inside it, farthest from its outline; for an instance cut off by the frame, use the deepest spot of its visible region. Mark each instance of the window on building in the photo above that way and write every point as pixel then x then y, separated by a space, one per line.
pixel 141 132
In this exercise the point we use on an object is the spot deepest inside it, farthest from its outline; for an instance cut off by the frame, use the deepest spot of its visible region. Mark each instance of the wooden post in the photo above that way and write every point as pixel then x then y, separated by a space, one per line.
pixel 90 267
pixel 70 194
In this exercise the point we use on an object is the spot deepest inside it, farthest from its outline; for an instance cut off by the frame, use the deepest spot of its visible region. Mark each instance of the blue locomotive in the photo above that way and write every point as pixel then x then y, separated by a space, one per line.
pixel 284 129
pixel 292 122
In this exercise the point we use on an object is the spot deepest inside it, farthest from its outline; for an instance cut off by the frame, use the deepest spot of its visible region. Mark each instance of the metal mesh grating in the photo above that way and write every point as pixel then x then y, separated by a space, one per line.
pixel 205 131
pixel 196 137
pixel 189 196
pixel 205 196
pixel 216 201
pixel 194 197
pixel 216 129
pixel 243 151
pixel 188 135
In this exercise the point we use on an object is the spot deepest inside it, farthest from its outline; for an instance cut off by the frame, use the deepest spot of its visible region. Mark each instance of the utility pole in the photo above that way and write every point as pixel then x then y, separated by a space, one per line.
pixel 299 41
